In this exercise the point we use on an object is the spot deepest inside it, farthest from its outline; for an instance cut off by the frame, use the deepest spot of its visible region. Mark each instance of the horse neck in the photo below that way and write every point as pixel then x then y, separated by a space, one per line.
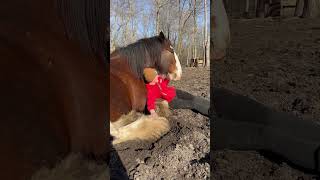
pixel 119 60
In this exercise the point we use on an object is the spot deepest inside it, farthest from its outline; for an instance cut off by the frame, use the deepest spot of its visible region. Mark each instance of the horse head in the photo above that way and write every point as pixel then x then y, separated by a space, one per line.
pixel 154 52
pixel 169 59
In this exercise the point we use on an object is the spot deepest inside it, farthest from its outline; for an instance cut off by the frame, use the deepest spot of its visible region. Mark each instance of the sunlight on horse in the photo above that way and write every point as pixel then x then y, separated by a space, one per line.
pixel 127 88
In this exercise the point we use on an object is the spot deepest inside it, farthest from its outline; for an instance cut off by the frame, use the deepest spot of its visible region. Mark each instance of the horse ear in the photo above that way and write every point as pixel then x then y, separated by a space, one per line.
pixel 161 35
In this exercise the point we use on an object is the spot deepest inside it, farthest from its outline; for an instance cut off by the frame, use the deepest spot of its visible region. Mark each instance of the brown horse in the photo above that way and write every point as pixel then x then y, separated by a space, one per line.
pixel 127 87
pixel 53 90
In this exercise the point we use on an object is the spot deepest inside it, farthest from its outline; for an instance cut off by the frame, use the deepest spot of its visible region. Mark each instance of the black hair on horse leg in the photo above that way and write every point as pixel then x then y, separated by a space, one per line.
pixel 185 100
pixel 244 124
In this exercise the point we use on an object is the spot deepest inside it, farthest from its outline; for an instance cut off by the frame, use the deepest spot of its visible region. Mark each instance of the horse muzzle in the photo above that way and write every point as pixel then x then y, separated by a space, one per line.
pixel 176 76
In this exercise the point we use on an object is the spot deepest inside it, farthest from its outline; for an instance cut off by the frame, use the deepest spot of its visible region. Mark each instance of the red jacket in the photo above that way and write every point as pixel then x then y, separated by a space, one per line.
pixel 159 90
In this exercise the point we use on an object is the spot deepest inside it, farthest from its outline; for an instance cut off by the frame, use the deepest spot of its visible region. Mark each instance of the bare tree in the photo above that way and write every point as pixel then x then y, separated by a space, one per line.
pixel 180 20
pixel 299 8
pixel 307 8
pixel 159 4
pixel 246 13
pixel 194 54
pixel 184 16
pixel 206 48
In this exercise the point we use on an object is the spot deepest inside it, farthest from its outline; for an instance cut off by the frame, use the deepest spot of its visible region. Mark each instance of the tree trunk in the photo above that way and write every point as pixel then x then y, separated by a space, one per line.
pixel 157 21
pixel 194 31
pixel 179 28
pixel 246 13
pixel 206 56
pixel 306 9
pixel 168 31
pixel 182 22
pixel 299 8
pixel 314 8
pixel 188 55
pixel 255 5
pixel 260 9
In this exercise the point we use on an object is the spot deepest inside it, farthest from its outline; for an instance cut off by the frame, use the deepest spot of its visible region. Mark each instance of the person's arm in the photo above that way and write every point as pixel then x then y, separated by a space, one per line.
pixel 170 94
pixel 151 99
pixel 166 81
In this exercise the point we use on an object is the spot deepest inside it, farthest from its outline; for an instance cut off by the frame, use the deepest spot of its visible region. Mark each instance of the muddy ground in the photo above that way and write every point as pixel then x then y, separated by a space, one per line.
pixel 183 153
pixel 276 63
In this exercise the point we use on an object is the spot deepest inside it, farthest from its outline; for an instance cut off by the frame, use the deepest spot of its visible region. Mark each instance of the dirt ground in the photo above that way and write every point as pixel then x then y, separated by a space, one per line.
pixel 276 63
pixel 183 153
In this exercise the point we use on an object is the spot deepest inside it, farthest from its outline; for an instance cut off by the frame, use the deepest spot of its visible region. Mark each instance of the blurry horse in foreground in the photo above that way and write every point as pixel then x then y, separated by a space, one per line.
pixel 128 92
pixel 221 30
pixel 53 82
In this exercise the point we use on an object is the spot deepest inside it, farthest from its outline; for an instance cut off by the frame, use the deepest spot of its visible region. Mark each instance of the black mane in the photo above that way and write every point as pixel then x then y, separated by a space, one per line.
pixel 143 53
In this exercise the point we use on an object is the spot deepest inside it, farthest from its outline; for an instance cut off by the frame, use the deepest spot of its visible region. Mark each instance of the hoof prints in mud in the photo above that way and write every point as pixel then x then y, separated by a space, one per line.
pixel 183 152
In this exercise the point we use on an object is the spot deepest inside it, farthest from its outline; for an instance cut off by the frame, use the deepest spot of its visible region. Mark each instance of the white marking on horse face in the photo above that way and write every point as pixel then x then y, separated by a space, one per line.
pixel 178 73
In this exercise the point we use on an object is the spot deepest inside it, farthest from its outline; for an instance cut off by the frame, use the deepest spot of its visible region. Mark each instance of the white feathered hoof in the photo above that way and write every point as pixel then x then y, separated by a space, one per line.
pixel 146 128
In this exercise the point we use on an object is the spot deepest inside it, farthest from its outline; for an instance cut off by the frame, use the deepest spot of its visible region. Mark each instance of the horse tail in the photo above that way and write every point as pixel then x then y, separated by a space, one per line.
pixel 136 126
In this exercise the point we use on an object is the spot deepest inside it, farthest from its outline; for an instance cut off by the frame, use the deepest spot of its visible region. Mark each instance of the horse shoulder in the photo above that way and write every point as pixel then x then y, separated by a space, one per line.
pixel 136 87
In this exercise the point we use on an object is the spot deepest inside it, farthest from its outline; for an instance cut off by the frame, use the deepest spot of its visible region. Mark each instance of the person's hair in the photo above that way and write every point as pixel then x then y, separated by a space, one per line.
pixel 149 74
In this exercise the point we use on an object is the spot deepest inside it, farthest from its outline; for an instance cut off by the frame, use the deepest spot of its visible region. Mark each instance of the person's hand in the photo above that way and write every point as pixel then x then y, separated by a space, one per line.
pixel 153 113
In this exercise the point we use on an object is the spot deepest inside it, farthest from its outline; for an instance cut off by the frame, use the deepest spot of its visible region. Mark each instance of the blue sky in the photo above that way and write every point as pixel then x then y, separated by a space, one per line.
pixel 146 6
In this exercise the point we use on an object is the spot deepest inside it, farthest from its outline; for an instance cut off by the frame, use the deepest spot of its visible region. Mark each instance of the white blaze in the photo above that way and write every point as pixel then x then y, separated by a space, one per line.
pixel 178 73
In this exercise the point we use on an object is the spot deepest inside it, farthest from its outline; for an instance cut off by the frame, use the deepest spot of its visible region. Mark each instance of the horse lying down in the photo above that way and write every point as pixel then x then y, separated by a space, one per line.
pixel 126 128
pixel 244 124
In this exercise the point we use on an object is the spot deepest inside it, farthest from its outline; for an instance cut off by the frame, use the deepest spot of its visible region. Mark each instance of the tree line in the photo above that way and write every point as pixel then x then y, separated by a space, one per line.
pixel 184 22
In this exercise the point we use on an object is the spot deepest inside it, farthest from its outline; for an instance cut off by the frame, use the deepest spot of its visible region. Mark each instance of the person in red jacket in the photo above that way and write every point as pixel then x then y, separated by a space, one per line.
pixel 157 88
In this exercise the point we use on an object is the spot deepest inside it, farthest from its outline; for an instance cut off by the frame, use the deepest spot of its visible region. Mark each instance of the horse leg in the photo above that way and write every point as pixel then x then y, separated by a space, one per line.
pixel 145 128
pixel 131 125
pixel 244 124
pixel 185 100
pixel 137 126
